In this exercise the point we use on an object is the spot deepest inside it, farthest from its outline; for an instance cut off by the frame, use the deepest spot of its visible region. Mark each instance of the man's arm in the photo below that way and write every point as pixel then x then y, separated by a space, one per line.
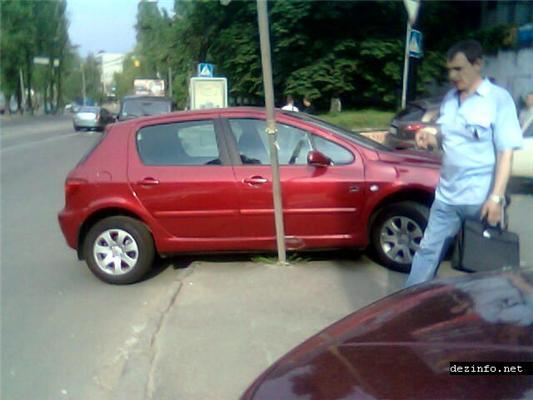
pixel 492 209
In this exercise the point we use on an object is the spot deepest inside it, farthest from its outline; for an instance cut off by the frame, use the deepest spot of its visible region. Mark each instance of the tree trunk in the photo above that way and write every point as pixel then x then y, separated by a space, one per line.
pixel 335 104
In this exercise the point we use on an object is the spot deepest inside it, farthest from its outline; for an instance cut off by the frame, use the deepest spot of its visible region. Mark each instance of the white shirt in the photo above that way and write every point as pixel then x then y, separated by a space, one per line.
pixel 290 107
pixel 472 132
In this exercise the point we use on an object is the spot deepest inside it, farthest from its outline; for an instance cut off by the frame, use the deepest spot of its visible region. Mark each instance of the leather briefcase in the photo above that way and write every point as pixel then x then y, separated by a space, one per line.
pixel 480 247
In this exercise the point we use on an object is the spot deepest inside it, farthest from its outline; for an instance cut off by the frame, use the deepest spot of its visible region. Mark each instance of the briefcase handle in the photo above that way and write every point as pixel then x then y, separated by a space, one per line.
pixel 500 226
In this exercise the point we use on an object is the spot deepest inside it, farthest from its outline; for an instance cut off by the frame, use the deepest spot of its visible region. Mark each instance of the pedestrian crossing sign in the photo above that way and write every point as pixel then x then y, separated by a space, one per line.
pixel 415 44
pixel 205 70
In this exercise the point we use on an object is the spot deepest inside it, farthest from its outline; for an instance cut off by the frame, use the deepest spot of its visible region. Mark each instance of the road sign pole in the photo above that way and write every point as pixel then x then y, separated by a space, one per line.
pixel 264 35
pixel 406 64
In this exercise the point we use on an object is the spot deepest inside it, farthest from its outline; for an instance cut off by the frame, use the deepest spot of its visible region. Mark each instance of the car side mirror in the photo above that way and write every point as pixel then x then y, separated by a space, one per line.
pixel 317 159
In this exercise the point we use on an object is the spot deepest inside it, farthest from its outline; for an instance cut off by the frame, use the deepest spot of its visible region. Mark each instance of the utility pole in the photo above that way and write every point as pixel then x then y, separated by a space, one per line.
pixel 271 131
pixel 169 81
pixel 22 94
pixel 83 82
pixel 412 12
pixel 406 64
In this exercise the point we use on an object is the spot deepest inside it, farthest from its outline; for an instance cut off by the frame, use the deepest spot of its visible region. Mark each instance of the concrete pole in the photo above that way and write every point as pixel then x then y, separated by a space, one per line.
pixel 170 81
pixel 406 64
pixel 22 92
pixel 83 82
pixel 271 131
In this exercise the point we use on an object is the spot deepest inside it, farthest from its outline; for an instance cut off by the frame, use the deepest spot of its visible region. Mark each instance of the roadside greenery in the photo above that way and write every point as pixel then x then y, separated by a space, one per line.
pixel 352 50
pixel 359 119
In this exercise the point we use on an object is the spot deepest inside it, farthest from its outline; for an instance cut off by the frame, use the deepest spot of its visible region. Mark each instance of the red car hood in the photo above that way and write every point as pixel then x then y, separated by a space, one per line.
pixel 401 346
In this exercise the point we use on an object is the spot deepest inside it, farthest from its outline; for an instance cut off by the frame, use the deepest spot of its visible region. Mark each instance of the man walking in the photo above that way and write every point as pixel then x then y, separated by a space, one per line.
pixel 478 131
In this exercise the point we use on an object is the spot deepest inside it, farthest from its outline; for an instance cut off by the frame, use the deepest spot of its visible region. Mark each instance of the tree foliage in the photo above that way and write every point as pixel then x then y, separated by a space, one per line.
pixel 320 49
pixel 30 29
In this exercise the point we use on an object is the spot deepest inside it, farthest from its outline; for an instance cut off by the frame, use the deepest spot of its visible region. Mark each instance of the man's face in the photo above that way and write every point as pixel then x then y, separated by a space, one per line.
pixel 462 74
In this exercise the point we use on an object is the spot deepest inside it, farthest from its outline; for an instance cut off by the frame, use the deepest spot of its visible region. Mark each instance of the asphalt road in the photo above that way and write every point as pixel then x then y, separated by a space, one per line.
pixel 202 332
pixel 65 335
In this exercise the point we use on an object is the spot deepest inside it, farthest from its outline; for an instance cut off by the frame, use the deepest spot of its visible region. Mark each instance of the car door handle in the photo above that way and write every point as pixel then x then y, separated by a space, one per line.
pixel 255 180
pixel 149 182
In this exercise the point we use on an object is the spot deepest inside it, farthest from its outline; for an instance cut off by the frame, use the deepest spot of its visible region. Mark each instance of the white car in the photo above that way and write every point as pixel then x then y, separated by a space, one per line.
pixel 523 158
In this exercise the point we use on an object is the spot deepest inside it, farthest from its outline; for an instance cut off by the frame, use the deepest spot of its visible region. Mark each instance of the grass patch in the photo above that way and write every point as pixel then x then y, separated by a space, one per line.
pixel 360 119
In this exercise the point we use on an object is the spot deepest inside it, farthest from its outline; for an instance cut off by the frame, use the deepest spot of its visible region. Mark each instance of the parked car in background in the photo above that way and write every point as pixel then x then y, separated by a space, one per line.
pixel 405 346
pixel 91 118
pixel 201 181
pixel 417 115
pixel 523 158
pixel 140 106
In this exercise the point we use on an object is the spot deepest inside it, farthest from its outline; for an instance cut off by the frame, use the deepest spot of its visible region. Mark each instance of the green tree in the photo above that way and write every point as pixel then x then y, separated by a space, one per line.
pixel 30 29
pixel 352 49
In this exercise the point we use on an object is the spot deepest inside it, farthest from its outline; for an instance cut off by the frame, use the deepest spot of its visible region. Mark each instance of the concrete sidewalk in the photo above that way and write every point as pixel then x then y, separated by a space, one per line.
pixel 225 322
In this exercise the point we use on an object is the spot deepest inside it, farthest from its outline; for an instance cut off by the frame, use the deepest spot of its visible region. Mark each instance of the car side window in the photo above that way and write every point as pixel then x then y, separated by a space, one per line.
pixel 294 144
pixel 184 143
pixel 251 140
pixel 338 154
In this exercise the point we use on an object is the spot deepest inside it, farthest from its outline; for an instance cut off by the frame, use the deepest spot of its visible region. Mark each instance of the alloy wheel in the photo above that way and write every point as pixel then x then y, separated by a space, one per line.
pixel 400 238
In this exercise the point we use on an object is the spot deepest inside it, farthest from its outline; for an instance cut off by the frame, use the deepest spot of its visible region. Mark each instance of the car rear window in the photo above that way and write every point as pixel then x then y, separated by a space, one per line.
pixel 142 107
pixel 411 113
pixel 89 109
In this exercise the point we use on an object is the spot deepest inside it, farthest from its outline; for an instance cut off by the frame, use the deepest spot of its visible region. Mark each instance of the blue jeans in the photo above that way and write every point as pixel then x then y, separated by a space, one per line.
pixel 445 221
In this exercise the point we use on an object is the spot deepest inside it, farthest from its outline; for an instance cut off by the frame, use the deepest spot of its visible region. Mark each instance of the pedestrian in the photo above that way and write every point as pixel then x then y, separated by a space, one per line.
pixel 290 105
pixel 477 131
pixel 308 106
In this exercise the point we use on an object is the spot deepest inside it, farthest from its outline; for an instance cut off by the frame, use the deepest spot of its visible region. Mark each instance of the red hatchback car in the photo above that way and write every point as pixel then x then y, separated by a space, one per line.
pixel 200 181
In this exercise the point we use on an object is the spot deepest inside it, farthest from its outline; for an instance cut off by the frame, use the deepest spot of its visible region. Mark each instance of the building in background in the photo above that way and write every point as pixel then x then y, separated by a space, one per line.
pixel 110 63
pixel 512 69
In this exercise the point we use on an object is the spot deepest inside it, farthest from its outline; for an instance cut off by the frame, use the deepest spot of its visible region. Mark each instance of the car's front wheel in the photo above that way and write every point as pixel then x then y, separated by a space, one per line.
pixel 119 250
pixel 397 232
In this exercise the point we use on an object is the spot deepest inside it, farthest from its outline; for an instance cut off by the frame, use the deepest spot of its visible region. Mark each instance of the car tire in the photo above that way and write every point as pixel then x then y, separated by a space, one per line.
pixel 396 234
pixel 119 250
pixel 77 128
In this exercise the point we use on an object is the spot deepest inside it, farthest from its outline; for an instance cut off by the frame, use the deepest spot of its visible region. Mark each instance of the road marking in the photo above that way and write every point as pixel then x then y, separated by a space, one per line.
pixel 36 142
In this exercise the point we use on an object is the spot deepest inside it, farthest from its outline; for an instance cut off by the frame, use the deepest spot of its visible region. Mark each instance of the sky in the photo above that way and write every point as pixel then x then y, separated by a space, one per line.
pixel 106 25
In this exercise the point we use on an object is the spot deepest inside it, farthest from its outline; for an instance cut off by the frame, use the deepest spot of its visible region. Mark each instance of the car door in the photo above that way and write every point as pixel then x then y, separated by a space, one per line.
pixel 181 174
pixel 320 204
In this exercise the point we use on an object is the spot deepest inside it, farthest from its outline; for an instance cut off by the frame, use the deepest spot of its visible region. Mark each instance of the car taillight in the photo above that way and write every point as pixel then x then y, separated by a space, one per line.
pixel 97 117
pixel 72 185
pixel 413 127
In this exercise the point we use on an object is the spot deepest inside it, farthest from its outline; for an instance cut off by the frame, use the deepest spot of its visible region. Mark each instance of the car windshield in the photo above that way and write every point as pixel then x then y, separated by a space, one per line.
pixel 357 137
pixel 141 107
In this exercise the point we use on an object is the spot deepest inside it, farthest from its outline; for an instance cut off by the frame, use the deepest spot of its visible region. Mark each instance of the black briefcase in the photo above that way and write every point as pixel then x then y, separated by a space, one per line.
pixel 480 247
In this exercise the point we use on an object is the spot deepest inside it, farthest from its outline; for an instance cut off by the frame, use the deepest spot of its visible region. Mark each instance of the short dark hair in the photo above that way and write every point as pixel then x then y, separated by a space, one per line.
pixel 470 48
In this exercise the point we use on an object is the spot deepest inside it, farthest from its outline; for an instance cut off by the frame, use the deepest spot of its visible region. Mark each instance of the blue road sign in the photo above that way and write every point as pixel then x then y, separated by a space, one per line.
pixel 415 44
pixel 205 70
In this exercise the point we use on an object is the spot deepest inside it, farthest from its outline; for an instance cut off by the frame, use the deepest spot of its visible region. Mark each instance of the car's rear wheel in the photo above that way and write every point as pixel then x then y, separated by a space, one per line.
pixel 397 232
pixel 76 128
pixel 119 250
